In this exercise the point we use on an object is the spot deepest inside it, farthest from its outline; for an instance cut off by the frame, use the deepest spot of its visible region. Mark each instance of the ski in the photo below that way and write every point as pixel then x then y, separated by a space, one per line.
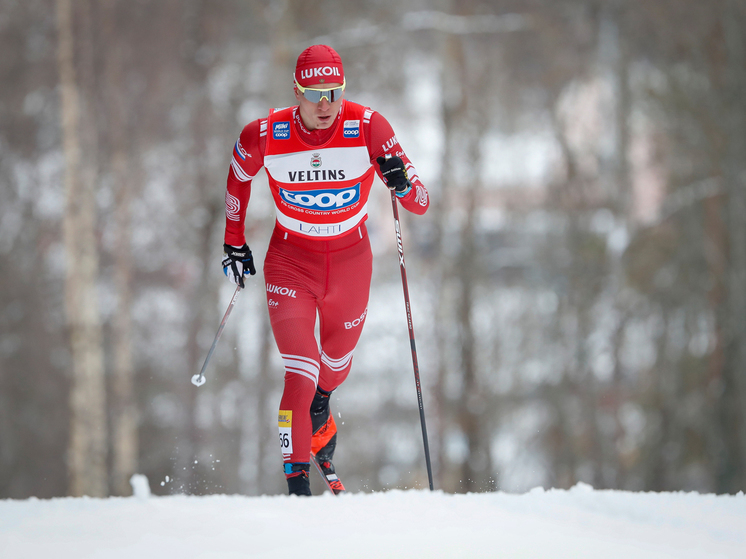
pixel 327 473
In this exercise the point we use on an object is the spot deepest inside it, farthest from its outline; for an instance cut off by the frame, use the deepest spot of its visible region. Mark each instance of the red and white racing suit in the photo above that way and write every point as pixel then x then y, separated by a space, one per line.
pixel 319 257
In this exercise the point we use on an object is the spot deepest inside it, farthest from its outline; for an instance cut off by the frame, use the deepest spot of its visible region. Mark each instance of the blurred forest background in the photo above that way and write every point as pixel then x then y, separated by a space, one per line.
pixel 578 285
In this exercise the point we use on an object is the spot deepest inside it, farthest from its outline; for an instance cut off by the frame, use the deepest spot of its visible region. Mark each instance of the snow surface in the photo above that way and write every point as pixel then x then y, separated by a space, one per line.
pixel 578 523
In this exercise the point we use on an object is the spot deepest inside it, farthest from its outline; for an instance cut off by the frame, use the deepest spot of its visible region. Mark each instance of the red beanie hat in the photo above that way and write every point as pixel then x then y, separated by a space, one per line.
pixel 319 64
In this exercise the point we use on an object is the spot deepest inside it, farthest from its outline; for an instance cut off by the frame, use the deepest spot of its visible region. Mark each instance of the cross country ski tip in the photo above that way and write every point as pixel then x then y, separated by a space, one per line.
pixel 327 473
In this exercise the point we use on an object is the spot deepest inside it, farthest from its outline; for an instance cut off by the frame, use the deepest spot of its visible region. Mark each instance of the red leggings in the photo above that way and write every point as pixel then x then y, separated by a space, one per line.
pixel 303 277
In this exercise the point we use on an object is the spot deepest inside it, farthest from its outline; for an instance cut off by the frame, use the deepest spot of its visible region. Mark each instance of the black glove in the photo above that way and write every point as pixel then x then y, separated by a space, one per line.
pixel 237 263
pixel 394 174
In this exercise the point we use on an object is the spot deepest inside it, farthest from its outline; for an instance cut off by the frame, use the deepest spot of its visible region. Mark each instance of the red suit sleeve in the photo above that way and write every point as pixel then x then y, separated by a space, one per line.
pixel 382 141
pixel 248 159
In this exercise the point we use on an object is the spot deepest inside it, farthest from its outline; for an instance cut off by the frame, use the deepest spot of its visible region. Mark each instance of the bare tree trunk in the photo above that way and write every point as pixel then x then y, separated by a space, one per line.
pixel 623 206
pixel 87 449
pixel 476 468
pixel 281 21
pixel 124 442
pixel 439 207
pixel 453 115
pixel 266 443
pixel 735 379
pixel 124 417
pixel 201 301
pixel 463 135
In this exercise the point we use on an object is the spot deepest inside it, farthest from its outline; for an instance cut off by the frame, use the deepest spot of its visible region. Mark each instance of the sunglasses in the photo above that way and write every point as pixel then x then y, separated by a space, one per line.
pixel 316 95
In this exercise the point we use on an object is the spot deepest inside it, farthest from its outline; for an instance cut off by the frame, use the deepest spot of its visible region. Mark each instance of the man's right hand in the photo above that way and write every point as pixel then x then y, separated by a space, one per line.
pixel 237 263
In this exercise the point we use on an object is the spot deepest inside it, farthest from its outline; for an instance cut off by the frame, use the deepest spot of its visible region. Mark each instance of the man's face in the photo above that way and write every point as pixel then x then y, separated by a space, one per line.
pixel 321 115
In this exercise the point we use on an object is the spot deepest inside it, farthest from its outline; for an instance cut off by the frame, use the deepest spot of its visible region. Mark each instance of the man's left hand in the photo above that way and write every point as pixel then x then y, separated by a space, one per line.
pixel 395 174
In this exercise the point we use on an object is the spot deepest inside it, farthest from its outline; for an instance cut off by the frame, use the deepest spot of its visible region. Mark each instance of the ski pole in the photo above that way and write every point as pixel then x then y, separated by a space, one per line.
pixel 403 269
pixel 199 380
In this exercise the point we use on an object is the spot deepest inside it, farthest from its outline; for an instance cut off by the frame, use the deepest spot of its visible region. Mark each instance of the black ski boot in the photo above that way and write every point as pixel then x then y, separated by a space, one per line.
pixel 324 439
pixel 297 477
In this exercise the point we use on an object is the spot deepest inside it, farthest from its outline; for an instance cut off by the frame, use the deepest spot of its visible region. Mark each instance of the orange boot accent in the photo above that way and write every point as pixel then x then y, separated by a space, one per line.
pixel 321 437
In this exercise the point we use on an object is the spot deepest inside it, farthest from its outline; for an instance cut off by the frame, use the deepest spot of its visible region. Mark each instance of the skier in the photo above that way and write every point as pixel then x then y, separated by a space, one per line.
pixel 320 157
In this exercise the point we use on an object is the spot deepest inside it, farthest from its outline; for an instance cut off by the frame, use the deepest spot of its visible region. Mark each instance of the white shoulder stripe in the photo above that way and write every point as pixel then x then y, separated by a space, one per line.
pixel 241 175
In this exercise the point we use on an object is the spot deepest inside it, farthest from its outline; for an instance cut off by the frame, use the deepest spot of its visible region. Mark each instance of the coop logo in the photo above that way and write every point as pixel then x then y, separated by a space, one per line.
pixel 322 200
pixel 319 72
pixel 281 130
pixel 351 129
pixel 281 290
